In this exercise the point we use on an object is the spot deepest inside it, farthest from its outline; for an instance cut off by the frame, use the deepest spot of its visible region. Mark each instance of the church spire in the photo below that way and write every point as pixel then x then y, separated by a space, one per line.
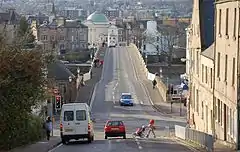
pixel 53 12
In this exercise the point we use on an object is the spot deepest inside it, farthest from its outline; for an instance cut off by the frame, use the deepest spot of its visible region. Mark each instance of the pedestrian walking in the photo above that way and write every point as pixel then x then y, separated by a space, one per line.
pixel 151 128
pixel 101 62
pixel 154 82
pixel 48 127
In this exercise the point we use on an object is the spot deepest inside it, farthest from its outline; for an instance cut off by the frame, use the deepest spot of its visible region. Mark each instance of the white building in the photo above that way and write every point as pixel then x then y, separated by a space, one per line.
pixel 99 28
pixel 112 35
pixel 150 43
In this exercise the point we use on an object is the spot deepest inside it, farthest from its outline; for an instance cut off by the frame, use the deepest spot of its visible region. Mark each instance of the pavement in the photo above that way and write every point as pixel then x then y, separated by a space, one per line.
pixel 85 92
pixel 121 74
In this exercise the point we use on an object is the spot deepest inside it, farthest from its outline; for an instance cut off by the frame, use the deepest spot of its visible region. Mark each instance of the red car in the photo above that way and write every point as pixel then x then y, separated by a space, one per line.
pixel 115 128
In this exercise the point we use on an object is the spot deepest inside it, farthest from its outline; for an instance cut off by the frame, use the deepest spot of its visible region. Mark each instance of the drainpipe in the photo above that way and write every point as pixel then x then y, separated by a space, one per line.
pixel 237 86
pixel 214 79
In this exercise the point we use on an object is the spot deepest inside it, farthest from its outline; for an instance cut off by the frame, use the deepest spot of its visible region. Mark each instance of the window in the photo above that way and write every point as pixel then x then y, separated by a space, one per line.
pixel 233 72
pixel 226 30
pixel 52 37
pixel 202 73
pixel 234 22
pixel 115 123
pixel 126 97
pixel 44 37
pixel 197 101
pixel 231 121
pixel 62 46
pixel 219 21
pixel 197 62
pixel 211 78
pixel 193 98
pixel 226 67
pixel 211 112
pixel 206 74
pixel 61 37
pixel 221 113
pixel 218 110
pixel 81 115
pixel 202 110
pixel 68 116
pixel 218 65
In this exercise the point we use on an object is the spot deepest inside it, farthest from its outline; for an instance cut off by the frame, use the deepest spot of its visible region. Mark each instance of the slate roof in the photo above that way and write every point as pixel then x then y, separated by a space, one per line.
pixel 209 52
pixel 206 14
pixel 74 24
pixel 9 16
pixel 59 71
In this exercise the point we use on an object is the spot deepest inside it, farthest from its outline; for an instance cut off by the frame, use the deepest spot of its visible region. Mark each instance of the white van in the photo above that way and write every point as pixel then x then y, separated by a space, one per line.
pixel 76 123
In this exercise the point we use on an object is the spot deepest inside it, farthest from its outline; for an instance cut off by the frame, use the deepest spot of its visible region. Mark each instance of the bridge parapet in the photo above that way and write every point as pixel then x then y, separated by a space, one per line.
pixel 162 88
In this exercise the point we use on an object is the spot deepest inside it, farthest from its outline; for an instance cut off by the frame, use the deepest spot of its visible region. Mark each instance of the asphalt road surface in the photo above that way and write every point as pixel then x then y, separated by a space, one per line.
pixel 122 73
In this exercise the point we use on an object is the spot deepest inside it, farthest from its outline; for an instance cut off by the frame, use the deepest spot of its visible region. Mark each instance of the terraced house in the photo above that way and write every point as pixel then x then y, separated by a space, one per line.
pixel 214 65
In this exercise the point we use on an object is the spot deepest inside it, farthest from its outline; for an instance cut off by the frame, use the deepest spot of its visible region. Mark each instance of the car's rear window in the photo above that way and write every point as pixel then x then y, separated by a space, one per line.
pixel 115 123
pixel 81 115
pixel 126 97
pixel 68 116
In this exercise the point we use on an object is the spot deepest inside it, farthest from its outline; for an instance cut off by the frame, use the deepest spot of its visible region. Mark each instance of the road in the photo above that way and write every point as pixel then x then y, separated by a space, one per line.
pixel 122 73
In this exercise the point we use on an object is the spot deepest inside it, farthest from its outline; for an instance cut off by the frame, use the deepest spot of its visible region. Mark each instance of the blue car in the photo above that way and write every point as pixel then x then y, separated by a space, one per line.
pixel 126 99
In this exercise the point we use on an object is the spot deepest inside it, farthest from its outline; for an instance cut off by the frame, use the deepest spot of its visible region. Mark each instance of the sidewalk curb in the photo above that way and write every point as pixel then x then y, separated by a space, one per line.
pixel 53 147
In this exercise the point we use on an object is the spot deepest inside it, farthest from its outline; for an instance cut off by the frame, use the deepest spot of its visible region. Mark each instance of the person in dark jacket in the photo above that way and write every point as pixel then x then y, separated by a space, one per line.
pixel 48 127
pixel 154 82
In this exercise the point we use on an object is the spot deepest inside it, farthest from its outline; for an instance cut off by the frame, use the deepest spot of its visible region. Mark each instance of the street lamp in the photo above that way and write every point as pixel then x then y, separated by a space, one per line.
pixel 146 57
pixel 70 89
pixel 78 70
pixel 183 59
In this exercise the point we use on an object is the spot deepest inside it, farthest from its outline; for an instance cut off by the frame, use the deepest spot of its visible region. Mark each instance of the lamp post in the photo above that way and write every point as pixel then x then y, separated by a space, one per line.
pixel 146 57
pixel 70 89
pixel 78 71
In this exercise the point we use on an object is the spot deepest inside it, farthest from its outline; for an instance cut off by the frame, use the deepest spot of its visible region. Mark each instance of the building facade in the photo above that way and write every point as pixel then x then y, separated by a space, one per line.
pixel 63 35
pixel 112 35
pixel 97 24
pixel 214 68
pixel 226 69
pixel 76 35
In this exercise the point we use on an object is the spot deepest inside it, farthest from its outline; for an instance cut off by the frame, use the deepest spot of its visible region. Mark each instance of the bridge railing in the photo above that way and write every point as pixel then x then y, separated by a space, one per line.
pixel 162 88
pixel 191 135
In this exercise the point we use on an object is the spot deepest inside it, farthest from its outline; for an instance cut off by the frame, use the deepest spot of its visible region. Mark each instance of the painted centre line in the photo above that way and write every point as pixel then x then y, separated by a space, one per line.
pixel 138 143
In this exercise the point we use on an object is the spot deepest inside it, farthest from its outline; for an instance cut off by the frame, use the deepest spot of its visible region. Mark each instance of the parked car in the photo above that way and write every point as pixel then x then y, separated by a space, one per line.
pixel 115 128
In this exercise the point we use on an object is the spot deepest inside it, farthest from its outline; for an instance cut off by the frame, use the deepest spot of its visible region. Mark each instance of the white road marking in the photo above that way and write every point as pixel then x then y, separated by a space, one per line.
pixel 138 142
pixel 52 150
pixel 141 102
pixel 139 147
pixel 109 145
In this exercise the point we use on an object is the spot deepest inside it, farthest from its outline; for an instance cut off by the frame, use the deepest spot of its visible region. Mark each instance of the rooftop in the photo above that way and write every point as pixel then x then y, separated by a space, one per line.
pixel 97 17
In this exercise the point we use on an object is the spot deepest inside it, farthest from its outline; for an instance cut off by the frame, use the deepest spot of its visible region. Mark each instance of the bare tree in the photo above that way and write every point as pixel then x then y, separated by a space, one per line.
pixel 165 38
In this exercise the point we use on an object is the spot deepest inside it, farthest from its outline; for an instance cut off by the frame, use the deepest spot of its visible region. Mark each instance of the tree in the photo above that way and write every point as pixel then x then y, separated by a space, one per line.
pixel 21 87
pixel 25 33
pixel 171 35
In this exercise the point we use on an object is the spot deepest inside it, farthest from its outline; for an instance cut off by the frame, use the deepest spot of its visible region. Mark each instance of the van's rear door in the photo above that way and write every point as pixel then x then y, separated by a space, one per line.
pixel 68 120
pixel 81 120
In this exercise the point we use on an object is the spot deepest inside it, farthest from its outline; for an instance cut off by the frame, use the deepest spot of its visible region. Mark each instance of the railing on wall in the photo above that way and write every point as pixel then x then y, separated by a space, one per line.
pixel 203 139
